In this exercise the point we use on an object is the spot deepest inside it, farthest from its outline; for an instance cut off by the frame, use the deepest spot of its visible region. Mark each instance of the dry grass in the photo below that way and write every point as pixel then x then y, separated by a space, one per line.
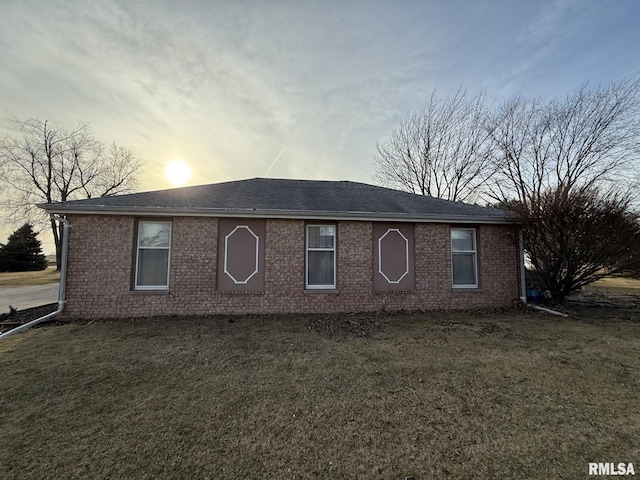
pixel 443 395
pixel 24 279
pixel 616 285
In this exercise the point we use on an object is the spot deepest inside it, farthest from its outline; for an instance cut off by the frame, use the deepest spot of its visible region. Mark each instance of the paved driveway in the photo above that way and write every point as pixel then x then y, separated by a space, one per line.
pixel 28 297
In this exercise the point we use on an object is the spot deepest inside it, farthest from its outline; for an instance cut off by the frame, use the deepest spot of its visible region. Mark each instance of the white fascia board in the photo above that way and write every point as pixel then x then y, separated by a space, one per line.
pixel 283 214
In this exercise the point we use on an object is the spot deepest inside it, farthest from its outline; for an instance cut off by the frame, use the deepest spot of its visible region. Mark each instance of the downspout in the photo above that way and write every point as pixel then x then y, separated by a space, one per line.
pixel 62 289
pixel 548 310
pixel 523 270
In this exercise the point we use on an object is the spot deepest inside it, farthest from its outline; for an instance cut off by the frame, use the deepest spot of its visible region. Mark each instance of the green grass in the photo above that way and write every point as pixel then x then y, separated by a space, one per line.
pixel 441 395
pixel 24 279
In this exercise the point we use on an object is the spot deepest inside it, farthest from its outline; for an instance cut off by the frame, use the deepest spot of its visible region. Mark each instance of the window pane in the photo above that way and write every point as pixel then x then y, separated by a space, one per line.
pixel 320 268
pixel 464 269
pixel 153 268
pixel 153 234
pixel 321 236
pixel 462 240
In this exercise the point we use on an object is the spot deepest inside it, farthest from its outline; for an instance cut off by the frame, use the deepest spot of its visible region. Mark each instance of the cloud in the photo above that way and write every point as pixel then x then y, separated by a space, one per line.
pixel 227 85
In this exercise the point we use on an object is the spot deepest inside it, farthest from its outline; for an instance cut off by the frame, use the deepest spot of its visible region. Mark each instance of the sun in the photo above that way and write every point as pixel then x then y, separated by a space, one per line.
pixel 178 172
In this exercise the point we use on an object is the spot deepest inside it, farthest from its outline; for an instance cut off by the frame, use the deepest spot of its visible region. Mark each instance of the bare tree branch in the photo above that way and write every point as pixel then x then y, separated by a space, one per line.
pixel 588 139
pixel 48 164
pixel 442 151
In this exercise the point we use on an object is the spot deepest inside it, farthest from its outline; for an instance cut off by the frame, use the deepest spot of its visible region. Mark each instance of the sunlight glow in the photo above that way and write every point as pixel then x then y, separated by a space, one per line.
pixel 178 172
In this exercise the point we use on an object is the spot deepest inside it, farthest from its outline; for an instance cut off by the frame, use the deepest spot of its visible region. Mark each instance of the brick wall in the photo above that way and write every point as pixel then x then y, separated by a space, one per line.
pixel 102 248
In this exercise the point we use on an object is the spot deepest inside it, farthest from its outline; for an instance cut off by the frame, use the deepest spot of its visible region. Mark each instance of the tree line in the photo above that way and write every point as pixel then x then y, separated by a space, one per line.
pixel 567 167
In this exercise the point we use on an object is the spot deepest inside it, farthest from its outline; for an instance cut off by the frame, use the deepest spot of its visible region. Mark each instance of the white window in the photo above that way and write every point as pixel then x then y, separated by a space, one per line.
pixel 321 256
pixel 152 256
pixel 464 258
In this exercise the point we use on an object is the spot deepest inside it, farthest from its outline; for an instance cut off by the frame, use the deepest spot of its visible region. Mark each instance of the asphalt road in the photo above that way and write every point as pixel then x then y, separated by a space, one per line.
pixel 28 297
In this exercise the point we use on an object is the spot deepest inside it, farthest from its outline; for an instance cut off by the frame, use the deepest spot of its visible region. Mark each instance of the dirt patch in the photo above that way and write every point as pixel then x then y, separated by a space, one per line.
pixel 481 328
pixel 16 318
pixel 598 306
pixel 359 325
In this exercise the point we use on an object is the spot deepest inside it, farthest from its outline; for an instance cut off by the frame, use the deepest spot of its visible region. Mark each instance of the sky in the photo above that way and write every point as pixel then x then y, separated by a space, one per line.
pixel 231 87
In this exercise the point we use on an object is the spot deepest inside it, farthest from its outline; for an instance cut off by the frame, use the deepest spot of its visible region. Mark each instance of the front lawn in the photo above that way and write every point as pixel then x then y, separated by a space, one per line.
pixel 433 395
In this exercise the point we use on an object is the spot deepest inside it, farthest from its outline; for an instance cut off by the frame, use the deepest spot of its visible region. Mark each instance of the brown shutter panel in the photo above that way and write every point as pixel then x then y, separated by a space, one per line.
pixel 393 257
pixel 241 255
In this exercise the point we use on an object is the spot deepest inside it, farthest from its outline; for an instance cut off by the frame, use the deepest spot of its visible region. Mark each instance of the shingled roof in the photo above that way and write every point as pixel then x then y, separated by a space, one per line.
pixel 282 198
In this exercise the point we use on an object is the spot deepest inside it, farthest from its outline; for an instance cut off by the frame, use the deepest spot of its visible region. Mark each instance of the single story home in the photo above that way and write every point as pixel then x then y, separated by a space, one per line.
pixel 275 246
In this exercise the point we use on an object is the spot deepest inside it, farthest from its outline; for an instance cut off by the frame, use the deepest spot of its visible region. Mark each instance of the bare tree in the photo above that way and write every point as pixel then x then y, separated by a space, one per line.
pixel 577 236
pixel 567 167
pixel 442 151
pixel 49 164
pixel 591 138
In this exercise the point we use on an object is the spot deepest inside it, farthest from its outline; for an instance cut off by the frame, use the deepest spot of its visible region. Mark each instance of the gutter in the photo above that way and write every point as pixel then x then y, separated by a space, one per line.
pixel 62 289
pixel 280 214
pixel 548 310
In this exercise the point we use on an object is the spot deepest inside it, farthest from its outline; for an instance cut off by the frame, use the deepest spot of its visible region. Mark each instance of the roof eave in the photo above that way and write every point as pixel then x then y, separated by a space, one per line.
pixel 287 214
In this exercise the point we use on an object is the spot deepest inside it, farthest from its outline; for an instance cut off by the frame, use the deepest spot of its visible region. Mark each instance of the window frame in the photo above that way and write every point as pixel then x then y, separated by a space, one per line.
pixel 308 249
pixel 474 251
pixel 136 285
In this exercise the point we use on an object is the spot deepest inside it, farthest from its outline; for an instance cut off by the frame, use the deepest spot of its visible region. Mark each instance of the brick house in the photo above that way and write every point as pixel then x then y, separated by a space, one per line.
pixel 275 246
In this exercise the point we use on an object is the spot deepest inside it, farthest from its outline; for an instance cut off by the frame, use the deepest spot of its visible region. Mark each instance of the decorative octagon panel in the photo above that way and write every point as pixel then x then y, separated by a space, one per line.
pixel 241 254
pixel 393 256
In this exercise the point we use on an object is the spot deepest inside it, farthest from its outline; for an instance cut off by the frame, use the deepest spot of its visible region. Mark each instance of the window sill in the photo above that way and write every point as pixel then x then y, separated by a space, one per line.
pixel 466 289
pixel 151 291
pixel 396 291
pixel 331 291
pixel 240 292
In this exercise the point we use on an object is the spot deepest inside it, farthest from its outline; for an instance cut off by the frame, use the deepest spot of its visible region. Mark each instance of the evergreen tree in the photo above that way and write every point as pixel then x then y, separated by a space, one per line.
pixel 22 252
